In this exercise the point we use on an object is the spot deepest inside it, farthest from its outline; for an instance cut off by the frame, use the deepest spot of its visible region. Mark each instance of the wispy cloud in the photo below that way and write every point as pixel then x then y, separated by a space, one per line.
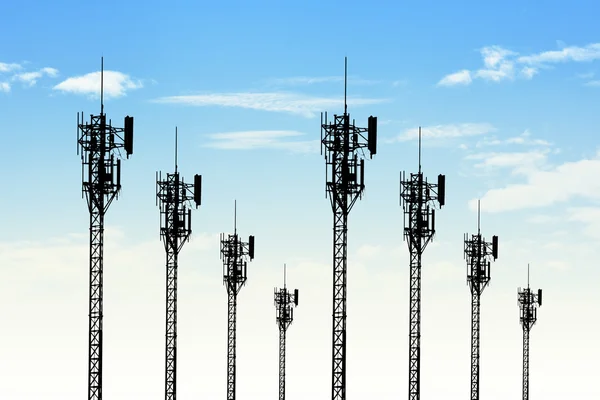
pixel 116 84
pixel 593 83
pixel 252 140
pixel 447 131
pixel 522 139
pixel 5 67
pixel 458 78
pixel 4 87
pixel 520 162
pixel 306 106
pixel 502 64
pixel 308 80
pixel 544 187
pixel 31 78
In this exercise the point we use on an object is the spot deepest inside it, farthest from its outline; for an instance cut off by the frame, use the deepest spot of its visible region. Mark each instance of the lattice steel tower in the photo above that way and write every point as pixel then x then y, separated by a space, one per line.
pixel 284 303
pixel 478 254
pixel 101 184
pixel 173 196
pixel 528 304
pixel 235 254
pixel 417 198
pixel 342 142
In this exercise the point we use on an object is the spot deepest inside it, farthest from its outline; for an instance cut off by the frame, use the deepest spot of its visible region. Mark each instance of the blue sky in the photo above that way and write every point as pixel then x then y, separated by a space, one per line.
pixel 507 95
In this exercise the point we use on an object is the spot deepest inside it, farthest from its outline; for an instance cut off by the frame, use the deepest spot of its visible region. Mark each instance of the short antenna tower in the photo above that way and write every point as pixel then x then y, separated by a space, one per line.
pixel 99 143
pixel 284 304
pixel 478 254
pixel 417 198
pixel 528 305
pixel 343 142
pixel 235 255
pixel 173 197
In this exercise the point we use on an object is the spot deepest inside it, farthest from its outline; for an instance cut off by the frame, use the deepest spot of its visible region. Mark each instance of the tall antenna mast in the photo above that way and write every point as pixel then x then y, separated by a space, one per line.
pixel 345 85
pixel 418 198
pixel 284 276
pixel 101 184
pixel 173 196
pixel 235 255
pixel 235 216
pixel 478 254
pixel 343 142
pixel 102 85
pixel 528 305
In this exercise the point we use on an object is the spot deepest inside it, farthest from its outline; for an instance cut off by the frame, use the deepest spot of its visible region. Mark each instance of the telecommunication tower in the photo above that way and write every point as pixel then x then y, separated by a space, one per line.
pixel 173 196
pixel 284 303
pixel 343 141
pixel 478 254
pixel 235 254
pixel 528 304
pixel 101 184
pixel 417 197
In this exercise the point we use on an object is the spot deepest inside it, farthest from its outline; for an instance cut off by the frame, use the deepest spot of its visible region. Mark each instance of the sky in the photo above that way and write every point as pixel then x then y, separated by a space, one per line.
pixel 506 93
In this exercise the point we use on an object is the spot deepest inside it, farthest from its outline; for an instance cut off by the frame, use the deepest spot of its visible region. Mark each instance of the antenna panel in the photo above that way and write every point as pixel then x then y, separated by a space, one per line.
pixel 251 247
pixel 296 297
pixel 540 297
pixel 372 135
pixel 128 135
pixel 362 173
pixel 442 190
pixel 433 220
pixel 197 189
pixel 118 173
pixel 495 247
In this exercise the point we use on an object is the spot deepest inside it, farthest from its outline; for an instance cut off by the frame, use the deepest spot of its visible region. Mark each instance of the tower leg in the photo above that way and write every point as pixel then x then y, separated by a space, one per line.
pixel 475 324
pixel 96 297
pixel 414 363
pixel 171 323
pixel 281 363
pixel 231 325
pixel 340 235
pixel 525 363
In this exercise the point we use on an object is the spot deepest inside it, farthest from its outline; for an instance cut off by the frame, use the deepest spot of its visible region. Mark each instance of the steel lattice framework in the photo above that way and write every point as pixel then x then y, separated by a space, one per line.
pixel 98 142
pixel 417 198
pixel 235 255
pixel 528 304
pixel 284 304
pixel 478 254
pixel 342 142
pixel 173 197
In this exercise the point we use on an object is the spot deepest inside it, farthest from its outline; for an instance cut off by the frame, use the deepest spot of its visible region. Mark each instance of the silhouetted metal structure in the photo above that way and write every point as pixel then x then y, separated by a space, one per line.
pixel 417 198
pixel 342 142
pixel 173 196
pixel 101 183
pixel 478 254
pixel 284 303
pixel 528 304
pixel 235 254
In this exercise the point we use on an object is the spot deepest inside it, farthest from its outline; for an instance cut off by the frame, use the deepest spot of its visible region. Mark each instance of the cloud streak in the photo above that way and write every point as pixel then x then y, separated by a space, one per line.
pixel 303 105
pixel 253 140
pixel 31 78
pixel 447 131
pixel 501 64
pixel 116 84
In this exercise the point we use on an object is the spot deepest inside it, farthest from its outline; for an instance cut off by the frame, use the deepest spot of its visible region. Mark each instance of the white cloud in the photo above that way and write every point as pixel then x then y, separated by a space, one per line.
pixel 458 78
pixel 573 53
pixel 251 140
pixel 521 162
pixel 4 87
pixel 589 216
pixel 116 84
pixel 577 179
pixel 593 83
pixel 31 78
pixel 303 105
pixel 499 63
pixel 447 131
pixel 5 67
pixel 523 139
